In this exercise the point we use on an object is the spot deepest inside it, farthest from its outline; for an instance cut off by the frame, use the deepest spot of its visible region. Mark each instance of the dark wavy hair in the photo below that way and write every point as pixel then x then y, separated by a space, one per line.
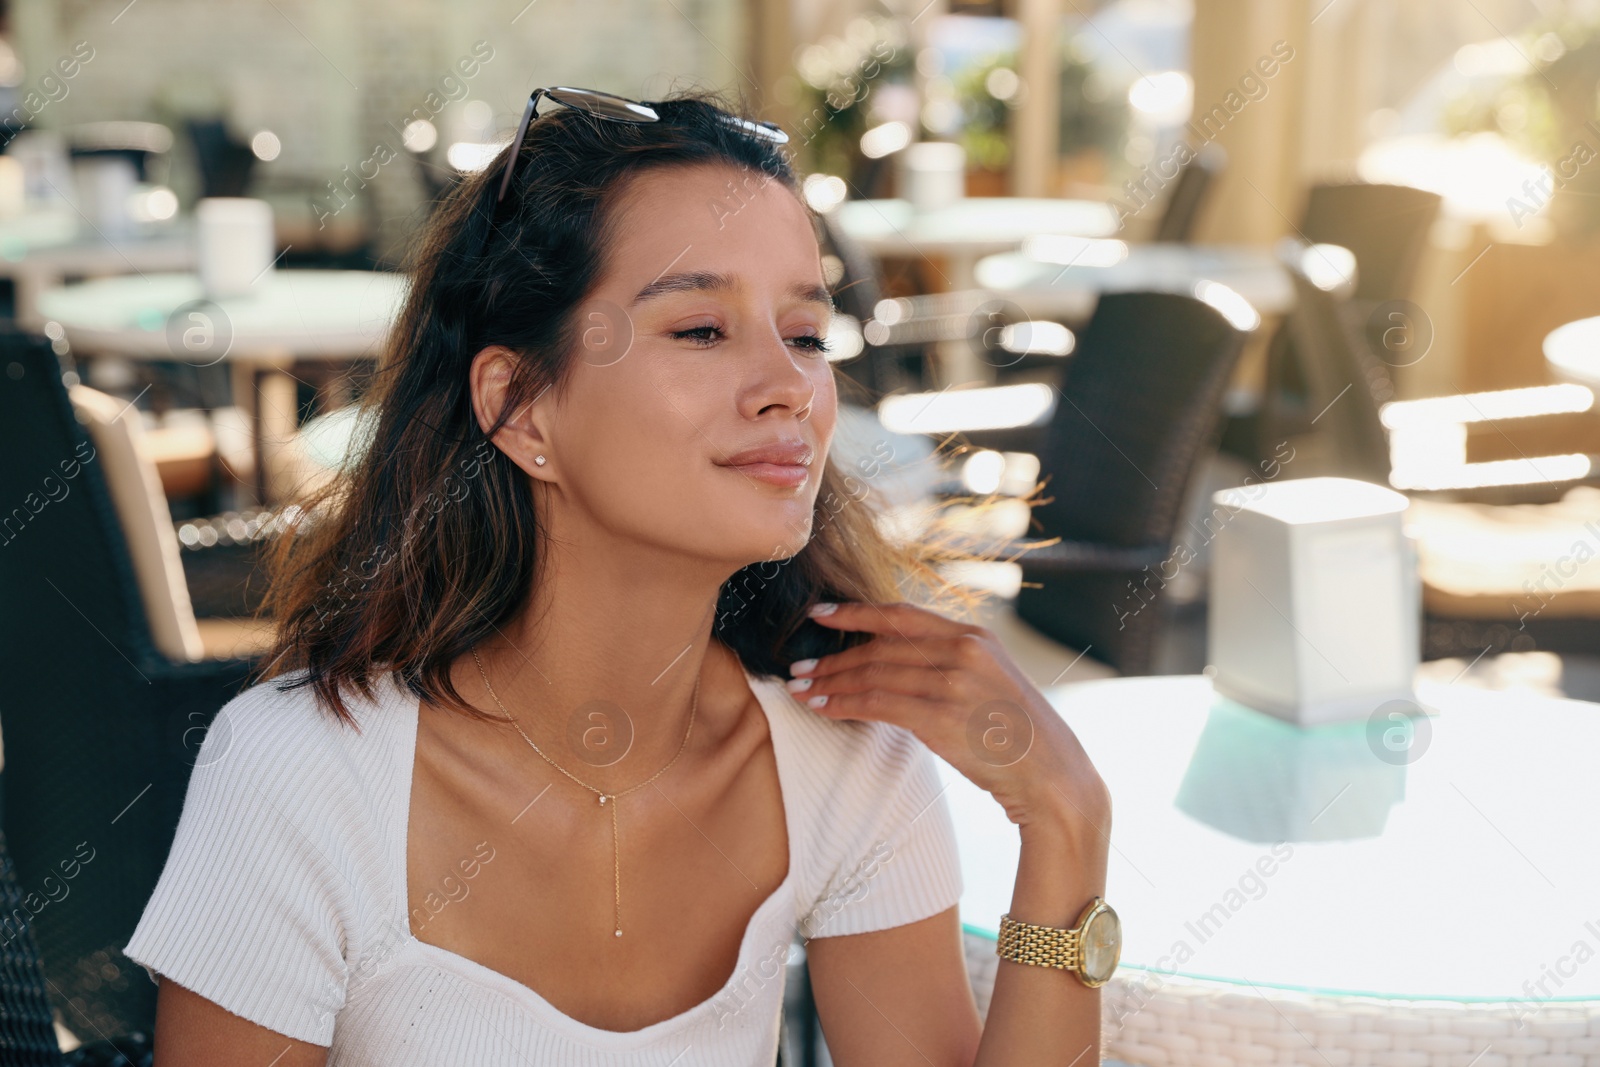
pixel 430 540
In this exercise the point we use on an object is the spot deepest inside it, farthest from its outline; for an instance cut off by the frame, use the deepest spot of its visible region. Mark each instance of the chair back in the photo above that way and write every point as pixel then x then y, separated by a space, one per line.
pixel 1196 179
pixel 1386 226
pixel 100 729
pixel 1140 407
pixel 64 560
pixel 225 164
pixel 116 431
pixel 1346 384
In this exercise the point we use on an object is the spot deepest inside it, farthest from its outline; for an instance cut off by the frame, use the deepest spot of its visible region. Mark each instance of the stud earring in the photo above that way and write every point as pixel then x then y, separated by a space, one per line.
pixel 539 460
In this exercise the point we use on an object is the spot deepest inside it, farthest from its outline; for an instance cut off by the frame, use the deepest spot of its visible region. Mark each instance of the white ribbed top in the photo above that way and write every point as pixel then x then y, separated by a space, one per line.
pixel 284 896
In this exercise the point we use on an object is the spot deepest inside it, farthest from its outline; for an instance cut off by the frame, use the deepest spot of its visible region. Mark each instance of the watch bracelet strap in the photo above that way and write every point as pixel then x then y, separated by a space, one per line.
pixel 1039 946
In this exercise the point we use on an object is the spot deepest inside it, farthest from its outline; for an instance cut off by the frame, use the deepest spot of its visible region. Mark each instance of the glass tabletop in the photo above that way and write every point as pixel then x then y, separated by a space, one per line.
pixel 310 312
pixel 1459 861
pixel 54 229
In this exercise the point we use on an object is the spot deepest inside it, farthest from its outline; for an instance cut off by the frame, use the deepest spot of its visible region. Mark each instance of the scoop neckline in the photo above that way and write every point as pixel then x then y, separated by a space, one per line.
pixel 525 996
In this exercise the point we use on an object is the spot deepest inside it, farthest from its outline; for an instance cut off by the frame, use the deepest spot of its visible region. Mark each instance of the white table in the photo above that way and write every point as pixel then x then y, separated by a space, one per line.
pixel 297 314
pixel 41 249
pixel 1293 896
pixel 1067 292
pixel 1573 352
pixel 969 228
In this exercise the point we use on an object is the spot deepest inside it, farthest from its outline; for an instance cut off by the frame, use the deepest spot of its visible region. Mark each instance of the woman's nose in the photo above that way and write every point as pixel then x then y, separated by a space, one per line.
pixel 786 379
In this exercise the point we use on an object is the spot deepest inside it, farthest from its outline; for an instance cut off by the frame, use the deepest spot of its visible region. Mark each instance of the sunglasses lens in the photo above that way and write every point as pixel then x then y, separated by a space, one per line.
pixel 603 104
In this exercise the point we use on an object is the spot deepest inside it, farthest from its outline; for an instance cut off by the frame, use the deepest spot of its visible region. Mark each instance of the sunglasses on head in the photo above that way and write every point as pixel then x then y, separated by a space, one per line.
pixel 617 109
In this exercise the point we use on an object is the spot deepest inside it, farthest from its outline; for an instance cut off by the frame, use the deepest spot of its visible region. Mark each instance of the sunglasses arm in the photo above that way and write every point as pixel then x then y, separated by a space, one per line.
pixel 516 142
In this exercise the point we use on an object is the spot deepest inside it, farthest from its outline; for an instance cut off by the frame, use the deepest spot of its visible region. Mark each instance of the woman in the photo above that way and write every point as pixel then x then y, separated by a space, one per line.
pixel 595 527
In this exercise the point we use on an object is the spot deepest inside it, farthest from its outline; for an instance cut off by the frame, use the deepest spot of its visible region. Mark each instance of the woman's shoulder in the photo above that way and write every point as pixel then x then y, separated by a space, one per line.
pixel 839 750
pixel 849 770
pixel 274 752
pixel 878 843
pixel 285 857
pixel 280 724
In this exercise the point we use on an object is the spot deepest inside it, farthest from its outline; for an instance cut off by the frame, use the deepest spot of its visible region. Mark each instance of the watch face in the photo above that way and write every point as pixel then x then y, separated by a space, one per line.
pixel 1102 945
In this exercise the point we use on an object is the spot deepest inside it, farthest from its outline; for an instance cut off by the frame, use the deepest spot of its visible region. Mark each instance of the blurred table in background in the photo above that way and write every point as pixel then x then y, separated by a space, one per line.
pixel 969 228
pixel 298 315
pixel 1066 291
pixel 39 250
pixel 1383 891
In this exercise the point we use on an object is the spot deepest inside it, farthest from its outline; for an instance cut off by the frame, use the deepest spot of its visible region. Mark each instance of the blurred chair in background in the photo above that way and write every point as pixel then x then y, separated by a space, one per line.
pixel 136 490
pixel 1342 384
pixel 1140 409
pixel 1192 188
pixel 1386 227
pixel 225 163
pixel 107 694
pixel 1118 444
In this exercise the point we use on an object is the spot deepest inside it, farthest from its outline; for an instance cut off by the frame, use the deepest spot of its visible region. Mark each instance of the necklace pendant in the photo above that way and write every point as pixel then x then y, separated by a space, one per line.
pixel 602 799
pixel 619 933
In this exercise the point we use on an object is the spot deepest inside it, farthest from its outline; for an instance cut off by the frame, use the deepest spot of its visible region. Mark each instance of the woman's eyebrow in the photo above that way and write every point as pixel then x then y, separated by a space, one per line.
pixel 708 281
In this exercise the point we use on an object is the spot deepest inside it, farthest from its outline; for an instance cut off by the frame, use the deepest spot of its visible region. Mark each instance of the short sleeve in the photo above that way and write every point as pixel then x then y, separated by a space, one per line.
pixel 889 843
pixel 251 910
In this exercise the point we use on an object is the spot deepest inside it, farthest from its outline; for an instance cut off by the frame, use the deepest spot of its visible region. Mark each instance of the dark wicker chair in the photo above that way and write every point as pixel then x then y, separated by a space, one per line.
pixel 1195 181
pixel 1386 227
pixel 100 730
pixel 1139 409
pixel 27 1033
pixel 225 163
pixel 1345 383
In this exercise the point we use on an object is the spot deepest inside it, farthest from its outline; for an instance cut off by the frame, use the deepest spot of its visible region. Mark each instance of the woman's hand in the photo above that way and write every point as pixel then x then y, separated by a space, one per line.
pixel 957 689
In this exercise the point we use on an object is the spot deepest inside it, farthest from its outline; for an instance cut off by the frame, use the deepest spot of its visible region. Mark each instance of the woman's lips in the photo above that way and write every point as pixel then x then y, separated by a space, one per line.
pixel 786 475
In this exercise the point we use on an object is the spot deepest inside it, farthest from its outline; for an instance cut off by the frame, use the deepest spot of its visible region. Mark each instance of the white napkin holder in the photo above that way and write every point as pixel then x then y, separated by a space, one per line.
pixel 237 245
pixel 1315 605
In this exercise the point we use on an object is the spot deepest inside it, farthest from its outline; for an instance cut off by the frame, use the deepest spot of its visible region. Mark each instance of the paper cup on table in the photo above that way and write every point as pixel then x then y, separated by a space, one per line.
pixel 933 174
pixel 104 184
pixel 236 245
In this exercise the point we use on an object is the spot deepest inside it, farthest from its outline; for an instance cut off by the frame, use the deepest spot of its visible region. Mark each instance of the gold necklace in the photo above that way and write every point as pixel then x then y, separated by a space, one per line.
pixel 616 855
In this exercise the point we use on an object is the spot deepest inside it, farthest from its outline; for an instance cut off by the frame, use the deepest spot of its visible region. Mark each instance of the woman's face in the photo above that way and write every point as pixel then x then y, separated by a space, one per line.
pixel 699 345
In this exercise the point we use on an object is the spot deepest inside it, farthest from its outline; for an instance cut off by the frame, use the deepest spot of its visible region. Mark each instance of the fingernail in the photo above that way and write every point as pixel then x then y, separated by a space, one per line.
pixel 799 685
pixel 818 701
pixel 802 666
pixel 823 608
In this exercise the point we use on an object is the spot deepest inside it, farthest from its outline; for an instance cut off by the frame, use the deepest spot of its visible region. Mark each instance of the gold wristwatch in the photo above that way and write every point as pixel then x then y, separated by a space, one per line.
pixel 1089 950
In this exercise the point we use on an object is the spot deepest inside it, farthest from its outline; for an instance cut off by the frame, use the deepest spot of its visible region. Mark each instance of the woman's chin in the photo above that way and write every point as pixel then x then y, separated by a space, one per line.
pixel 763 542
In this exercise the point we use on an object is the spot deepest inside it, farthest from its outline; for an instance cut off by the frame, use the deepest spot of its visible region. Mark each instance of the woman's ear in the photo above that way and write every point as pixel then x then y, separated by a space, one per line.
pixel 521 438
